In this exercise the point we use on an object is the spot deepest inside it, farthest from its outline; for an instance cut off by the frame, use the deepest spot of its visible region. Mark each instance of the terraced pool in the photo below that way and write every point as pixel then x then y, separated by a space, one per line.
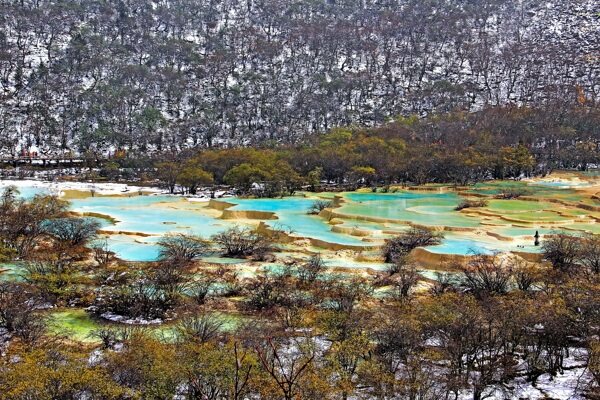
pixel 133 224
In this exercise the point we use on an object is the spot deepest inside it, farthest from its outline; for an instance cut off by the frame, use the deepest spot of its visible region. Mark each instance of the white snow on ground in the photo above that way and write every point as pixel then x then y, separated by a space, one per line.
pixel 203 196
pixel 106 189
pixel 568 385
pixel 60 187
pixel 565 386
pixel 130 321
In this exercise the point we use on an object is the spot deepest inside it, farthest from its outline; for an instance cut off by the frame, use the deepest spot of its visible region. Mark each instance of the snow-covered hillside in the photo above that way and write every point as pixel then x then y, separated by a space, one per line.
pixel 81 75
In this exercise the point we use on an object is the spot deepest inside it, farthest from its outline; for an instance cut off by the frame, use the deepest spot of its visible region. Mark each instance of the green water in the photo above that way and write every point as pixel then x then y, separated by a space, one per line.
pixel 424 208
pixel 292 213
pixel 11 272
pixel 158 215
pixel 76 324
pixel 519 206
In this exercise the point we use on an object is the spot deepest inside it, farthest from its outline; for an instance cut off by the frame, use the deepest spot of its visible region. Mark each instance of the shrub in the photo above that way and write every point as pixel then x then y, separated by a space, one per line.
pixel 108 335
pixel 199 290
pixel 266 293
pixel 511 193
pixel 137 301
pixel 182 247
pixel 73 231
pixel 563 251
pixel 487 275
pixel 201 328
pixel 319 205
pixel 18 312
pixel 444 282
pixel 400 246
pixel 404 281
pixel 102 254
pixel 310 271
pixel 471 204
pixel 243 242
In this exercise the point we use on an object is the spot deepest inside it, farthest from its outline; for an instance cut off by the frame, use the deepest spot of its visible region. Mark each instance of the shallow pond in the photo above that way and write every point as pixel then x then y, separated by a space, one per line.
pixel 425 208
pixel 78 325
pixel 135 223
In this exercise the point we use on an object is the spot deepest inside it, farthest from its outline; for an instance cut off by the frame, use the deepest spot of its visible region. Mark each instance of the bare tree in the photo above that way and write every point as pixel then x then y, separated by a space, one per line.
pixel 19 312
pixel 563 251
pixel 400 246
pixel 242 242
pixel 590 253
pixel 404 281
pixel 286 362
pixel 319 205
pixel 487 275
pixel 179 246
pixel 102 254
pixel 73 231
pixel 199 328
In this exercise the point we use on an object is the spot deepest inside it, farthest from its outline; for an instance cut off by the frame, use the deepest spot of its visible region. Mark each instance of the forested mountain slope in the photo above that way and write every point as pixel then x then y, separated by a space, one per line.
pixel 154 75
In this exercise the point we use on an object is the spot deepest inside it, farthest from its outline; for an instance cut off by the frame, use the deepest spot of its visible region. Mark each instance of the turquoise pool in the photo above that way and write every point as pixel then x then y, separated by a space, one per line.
pixel 146 218
pixel 432 209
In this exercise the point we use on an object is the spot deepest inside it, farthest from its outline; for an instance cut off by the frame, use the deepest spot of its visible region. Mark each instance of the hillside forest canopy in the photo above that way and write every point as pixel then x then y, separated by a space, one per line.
pixel 80 75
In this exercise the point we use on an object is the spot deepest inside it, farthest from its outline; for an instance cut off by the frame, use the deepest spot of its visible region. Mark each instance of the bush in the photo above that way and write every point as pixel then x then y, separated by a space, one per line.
pixel 168 276
pixel 266 293
pixel 406 278
pixel 243 242
pixel 400 246
pixel 487 275
pixel 319 205
pixel 7 254
pixel 182 247
pixel 136 301
pixel 310 271
pixel 73 231
pixel 201 328
pixel 343 294
pixel 108 335
pixel 18 312
pixel 511 193
pixel 102 254
pixel 563 251
pixel 199 290
pixel 471 204
pixel 444 283
pixel 56 280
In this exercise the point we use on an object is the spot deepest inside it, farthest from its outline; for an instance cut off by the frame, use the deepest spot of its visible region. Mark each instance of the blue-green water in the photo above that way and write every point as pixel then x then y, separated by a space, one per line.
pixel 157 215
pixel 11 272
pixel 461 247
pixel 26 192
pixel 293 218
pixel 151 215
pixel 433 209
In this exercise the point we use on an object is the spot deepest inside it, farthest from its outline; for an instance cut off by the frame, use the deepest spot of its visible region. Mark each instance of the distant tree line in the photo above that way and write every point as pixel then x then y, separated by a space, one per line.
pixel 456 148
pixel 134 75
